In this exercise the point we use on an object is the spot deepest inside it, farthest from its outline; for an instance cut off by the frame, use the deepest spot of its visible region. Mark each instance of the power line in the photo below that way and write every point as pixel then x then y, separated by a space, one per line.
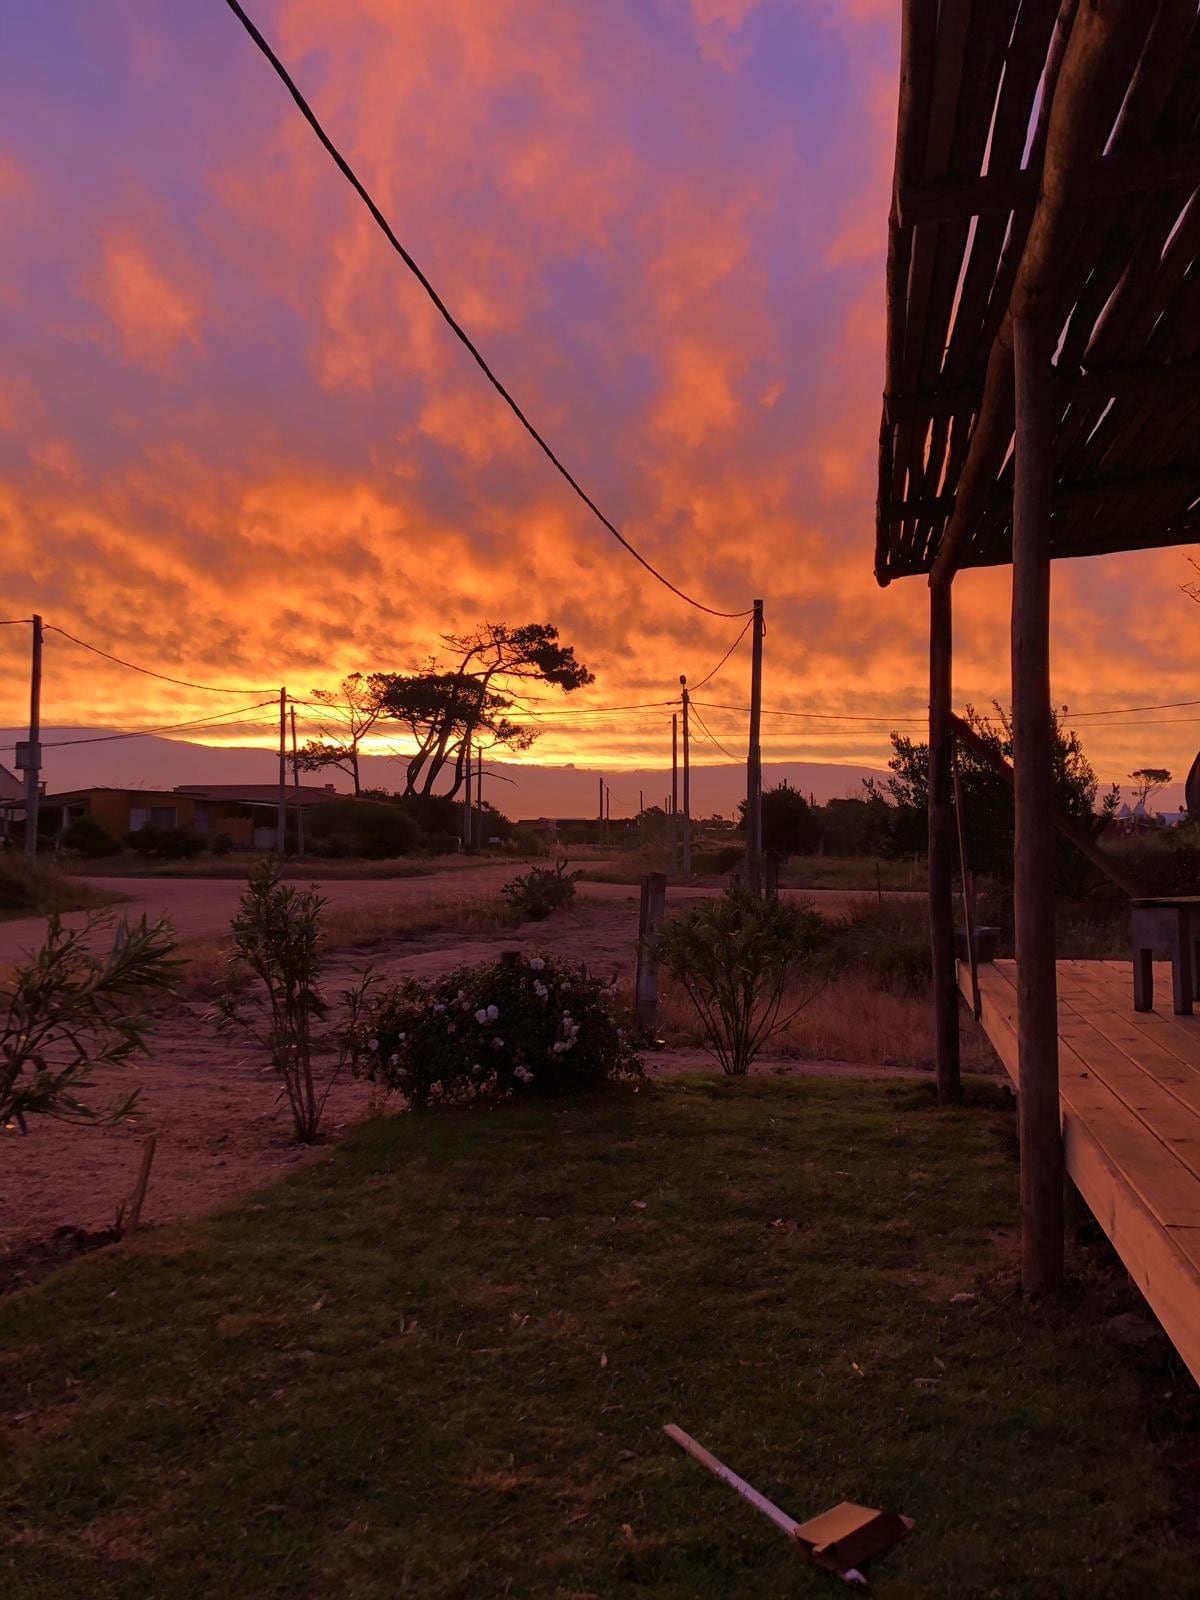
pixel 456 327
pixel 693 687
pixel 712 737
pixel 820 716
pixel 143 733
pixel 1123 711
pixel 183 683
pixel 14 622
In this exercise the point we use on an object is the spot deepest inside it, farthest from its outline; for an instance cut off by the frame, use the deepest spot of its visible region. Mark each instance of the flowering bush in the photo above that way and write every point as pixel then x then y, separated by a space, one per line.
pixel 500 1030
pixel 541 890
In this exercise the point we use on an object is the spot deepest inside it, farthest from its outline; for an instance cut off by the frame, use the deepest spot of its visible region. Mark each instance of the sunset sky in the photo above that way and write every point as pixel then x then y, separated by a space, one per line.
pixel 239 446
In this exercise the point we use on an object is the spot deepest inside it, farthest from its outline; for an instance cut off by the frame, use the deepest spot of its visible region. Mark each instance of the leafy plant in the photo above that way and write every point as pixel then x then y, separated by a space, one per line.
pixel 737 957
pixel 169 844
pixel 541 890
pixel 67 1012
pixel 89 838
pixel 277 939
pixel 500 1030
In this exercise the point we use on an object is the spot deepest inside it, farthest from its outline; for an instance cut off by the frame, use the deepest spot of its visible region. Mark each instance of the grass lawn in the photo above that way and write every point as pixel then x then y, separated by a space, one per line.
pixel 437 1364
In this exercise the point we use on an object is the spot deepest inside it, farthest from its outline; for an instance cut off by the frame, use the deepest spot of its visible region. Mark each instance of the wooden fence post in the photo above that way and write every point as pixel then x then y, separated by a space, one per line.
pixel 650 915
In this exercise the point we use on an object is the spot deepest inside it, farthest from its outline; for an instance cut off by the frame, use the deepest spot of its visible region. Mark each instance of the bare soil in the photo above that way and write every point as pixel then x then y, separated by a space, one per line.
pixel 221 1125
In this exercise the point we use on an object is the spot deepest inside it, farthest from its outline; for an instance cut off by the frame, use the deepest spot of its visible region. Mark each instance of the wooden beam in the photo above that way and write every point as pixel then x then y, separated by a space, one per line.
pixel 1102 41
pixel 1121 172
pixel 1033 856
pixel 1155 480
pixel 1136 381
pixel 941 847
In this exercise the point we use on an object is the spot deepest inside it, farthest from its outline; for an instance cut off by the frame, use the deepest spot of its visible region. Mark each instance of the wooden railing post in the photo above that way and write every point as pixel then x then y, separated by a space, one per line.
pixel 942 847
pixel 1033 785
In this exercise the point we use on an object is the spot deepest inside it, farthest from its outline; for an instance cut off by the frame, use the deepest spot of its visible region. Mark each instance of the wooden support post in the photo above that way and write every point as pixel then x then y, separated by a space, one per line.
pixel 1033 858
pixel 941 847
pixel 479 794
pixel 650 915
pixel 281 821
pixel 687 784
pixel 754 818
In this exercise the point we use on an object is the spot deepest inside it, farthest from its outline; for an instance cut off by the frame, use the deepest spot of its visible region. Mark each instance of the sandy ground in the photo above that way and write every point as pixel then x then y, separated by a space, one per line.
pixel 220 1124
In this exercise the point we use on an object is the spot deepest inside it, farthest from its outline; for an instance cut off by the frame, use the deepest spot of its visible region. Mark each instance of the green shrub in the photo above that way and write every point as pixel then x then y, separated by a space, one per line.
pixel 168 844
pixel 718 858
pixel 737 957
pixel 888 941
pixel 369 830
pixel 65 1012
pixel 541 890
pixel 505 1029
pixel 221 844
pixel 88 838
pixel 277 938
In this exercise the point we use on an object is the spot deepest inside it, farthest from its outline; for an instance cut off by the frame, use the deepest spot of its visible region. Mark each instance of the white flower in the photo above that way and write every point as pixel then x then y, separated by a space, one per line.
pixel 476 1070
pixel 497 1044
pixel 559 1047
pixel 492 1013
pixel 400 1038
pixel 372 1045
pixel 540 989
pixel 439 1007
pixel 536 964
pixel 481 1015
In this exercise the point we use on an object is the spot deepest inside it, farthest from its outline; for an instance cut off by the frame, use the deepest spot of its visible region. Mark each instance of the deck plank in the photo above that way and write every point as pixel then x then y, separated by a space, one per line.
pixel 1130 1097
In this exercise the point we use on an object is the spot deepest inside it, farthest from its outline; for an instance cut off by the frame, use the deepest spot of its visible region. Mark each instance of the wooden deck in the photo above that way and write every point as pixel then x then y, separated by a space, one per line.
pixel 1130 1095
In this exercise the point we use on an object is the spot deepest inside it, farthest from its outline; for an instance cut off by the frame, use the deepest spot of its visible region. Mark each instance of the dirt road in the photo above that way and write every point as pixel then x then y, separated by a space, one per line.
pixel 200 908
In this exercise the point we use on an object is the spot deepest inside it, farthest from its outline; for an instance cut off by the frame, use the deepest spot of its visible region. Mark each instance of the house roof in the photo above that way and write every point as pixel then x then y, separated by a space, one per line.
pixel 1047 159
pixel 260 794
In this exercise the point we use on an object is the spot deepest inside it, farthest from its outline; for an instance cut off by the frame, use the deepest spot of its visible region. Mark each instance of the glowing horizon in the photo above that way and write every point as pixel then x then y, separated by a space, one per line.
pixel 239 447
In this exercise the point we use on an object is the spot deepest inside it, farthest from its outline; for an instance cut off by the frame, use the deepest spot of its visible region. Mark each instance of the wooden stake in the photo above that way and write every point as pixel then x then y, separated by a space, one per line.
pixel 1033 858
pixel 650 915
pixel 968 890
pixel 941 848
pixel 139 1192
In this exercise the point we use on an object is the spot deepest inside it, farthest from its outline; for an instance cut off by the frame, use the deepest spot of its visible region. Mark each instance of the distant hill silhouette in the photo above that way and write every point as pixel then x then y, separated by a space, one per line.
pixel 533 791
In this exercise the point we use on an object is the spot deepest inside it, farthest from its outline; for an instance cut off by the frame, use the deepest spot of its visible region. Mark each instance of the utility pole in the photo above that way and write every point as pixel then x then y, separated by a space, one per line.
pixel 600 836
pixel 281 823
pixel 479 791
pixel 674 763
pixel 687 783
pixel 296 786
pixel 754 819
pixel 33 751
pixel 467 793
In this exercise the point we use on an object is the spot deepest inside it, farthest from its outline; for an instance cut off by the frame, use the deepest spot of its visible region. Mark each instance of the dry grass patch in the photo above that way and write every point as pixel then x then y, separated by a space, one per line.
pixel 850 1019
pixel 356 927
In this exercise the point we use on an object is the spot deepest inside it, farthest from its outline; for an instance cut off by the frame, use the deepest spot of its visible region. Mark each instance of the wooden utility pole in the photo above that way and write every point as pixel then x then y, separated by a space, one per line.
pixel 467 794
pixel 941 845
pixel 281 823
pixel 296 786
pixel 687 783
pixel 674 763
pixel 33 751
pixel 754 820
pixel 600 839
pixel 479 792
pixel 1033 856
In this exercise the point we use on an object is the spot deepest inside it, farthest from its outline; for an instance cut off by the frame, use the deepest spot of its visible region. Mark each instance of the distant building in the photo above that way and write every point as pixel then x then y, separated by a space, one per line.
pixel 246 814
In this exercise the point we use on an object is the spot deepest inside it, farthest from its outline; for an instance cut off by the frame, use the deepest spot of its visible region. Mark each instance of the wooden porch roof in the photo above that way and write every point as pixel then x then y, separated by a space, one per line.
pixel 1047 160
